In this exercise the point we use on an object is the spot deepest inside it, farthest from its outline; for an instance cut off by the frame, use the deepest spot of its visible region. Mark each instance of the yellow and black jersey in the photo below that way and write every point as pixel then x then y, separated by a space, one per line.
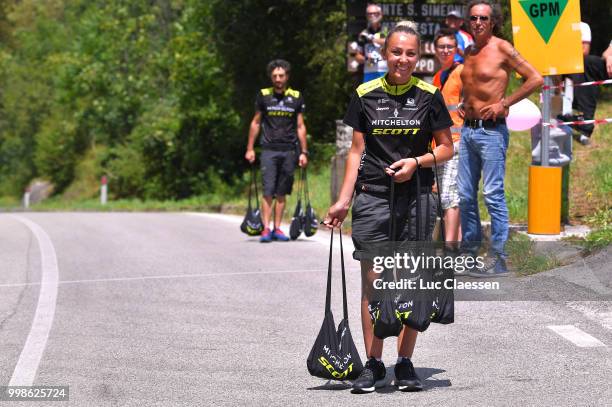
pixel 279 113
pixel 397 122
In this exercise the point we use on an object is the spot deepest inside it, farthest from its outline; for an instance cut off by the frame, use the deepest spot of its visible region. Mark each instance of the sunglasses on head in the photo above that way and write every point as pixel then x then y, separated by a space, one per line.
pixel 481 18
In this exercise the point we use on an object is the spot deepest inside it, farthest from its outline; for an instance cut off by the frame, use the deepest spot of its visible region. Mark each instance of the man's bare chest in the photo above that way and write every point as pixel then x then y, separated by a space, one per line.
pixel 483 67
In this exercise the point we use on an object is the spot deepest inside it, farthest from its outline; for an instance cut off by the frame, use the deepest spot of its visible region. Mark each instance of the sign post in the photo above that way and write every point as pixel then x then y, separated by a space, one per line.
pixel 547 34
pixel 103 190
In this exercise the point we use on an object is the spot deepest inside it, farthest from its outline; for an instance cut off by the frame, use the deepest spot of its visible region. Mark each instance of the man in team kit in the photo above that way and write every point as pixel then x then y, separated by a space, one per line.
pixel 279 118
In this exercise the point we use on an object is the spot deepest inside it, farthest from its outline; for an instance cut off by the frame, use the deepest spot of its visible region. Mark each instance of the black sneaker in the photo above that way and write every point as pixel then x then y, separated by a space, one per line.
pixel 371 377
pixel 406 378
pixel 494 266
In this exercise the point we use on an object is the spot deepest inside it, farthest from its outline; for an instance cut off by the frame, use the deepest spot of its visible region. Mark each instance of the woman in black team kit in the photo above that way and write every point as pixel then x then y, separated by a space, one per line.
pixel 394 119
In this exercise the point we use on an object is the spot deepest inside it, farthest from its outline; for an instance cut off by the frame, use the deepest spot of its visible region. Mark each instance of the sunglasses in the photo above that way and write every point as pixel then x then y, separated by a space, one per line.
pixel 442 47
pixel 484 19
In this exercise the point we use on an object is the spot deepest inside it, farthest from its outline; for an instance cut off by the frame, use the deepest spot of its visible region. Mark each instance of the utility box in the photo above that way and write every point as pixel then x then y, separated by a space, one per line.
pixel 560 148
pixel 544 211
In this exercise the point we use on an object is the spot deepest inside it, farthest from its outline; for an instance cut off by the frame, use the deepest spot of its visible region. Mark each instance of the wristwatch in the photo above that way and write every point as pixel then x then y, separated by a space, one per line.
pixel 304 152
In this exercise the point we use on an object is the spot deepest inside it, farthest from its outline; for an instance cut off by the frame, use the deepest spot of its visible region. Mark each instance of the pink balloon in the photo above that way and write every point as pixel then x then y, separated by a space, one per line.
pixel 523 115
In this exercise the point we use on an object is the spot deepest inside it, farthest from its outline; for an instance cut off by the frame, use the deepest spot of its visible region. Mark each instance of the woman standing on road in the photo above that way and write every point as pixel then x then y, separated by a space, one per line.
pixel 394 119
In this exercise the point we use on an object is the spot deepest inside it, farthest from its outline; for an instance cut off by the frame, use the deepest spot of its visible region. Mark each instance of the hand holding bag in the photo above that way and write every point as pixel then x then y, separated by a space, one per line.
pixel 334 355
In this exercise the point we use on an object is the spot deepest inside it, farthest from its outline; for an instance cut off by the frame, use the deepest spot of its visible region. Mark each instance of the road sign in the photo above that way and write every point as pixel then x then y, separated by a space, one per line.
pixel 547 34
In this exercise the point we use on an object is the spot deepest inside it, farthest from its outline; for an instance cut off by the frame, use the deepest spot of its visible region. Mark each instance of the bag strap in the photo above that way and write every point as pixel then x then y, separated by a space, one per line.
pixel 419 226
pixel 440 214
pixel 392 223
pixel 250 187
pixel 254 181
pixel 329 276
pixel 305 186
pixel 344 304
pixel 300 182
pixel 392 217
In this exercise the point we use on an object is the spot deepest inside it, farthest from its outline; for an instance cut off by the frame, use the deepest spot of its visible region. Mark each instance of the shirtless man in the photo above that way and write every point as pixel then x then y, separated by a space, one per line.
pixel 484 137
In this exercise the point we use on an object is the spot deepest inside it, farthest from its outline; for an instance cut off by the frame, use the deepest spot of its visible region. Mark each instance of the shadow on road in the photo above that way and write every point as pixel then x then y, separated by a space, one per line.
pixel 332 386
pixel 425 373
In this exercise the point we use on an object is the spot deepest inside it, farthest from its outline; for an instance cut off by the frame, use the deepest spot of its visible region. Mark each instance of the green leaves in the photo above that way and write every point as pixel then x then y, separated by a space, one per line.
pixel 165 88
pixel 141 77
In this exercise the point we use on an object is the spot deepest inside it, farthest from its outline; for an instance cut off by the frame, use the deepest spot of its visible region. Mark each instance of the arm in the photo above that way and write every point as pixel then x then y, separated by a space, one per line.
pixel 607 55
pixel 338 211
pixel 253 132
pixel 301 132
pixel 403 170
pixel 359 57
pixel 533 80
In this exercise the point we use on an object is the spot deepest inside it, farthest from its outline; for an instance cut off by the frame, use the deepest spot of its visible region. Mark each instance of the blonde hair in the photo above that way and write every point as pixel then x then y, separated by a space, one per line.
pixel 407 23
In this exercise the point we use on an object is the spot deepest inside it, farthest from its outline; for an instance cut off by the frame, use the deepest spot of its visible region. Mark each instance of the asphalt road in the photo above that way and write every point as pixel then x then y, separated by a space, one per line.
pixel 183 309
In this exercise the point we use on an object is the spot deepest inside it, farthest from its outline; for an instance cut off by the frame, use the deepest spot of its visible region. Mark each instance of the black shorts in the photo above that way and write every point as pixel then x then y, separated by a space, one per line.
pixel 277 168
pixel 371 217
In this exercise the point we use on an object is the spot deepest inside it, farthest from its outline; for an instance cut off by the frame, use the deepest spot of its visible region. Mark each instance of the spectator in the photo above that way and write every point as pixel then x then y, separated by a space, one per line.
pixel 448 80
pixel 607 55
pixel 454 21
pixel 370 43
pixel 489 62
pixel 585 97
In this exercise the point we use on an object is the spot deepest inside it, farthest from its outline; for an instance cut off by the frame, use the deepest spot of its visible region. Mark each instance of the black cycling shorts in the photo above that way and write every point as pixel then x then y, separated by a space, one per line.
pixel 277 168
pixel 371 218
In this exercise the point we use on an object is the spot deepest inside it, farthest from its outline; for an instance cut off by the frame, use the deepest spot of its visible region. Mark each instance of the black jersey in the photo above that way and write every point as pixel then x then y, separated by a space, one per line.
pixel 279 116
pixel 397 122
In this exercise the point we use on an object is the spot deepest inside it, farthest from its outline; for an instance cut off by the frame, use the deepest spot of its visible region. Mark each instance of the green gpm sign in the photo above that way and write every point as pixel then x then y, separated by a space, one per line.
pixel 544 15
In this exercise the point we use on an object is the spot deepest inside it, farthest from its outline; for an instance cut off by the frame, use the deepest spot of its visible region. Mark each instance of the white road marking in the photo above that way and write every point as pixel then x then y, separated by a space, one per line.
pixel 577 336
pixel 32 352
pixel 172 276
pixel 598 311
